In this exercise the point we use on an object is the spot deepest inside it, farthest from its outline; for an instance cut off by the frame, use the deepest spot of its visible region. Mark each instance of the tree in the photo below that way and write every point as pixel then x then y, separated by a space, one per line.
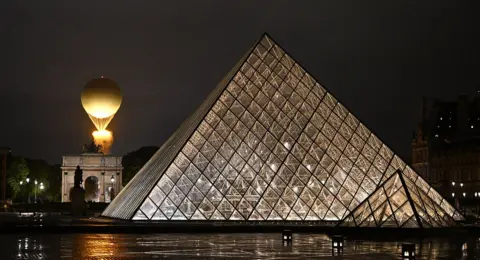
pixel 134 161
pixel 49 175
pixel 40 171
pixel 92 147
pixel 55 183
pixel 17 171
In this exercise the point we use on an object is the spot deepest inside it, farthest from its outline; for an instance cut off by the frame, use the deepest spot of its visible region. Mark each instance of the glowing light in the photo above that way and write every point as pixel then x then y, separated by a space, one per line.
pixel 287 145
pixel 103 138
pixel 101 99
pixel 274 167
pixel 453 183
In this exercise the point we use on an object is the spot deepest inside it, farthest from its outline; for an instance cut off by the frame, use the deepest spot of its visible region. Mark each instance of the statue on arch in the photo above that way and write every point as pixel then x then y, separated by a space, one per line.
pixel 78 177
pixel 77 194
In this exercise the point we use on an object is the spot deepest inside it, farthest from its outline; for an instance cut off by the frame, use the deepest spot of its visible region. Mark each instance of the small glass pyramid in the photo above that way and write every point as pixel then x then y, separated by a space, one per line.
pixel 398 202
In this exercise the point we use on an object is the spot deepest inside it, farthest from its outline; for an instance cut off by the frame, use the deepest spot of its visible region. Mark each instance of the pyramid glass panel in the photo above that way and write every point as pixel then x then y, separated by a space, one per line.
pixel 270 143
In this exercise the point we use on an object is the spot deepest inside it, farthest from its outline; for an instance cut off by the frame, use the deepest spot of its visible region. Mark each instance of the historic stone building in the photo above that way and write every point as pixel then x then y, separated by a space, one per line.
pixel 446 147
pixel 102 176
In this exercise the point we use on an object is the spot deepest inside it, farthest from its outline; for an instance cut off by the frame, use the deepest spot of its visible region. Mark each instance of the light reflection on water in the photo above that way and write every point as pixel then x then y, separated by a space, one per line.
pixel 208 246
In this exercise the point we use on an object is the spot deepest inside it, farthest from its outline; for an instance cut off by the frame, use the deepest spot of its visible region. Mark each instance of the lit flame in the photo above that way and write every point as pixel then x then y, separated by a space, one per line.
pixel 103 138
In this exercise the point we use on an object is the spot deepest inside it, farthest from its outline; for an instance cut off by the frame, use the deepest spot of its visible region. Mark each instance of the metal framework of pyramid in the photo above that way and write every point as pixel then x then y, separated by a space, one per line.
pixel 398 202
pixel 269 143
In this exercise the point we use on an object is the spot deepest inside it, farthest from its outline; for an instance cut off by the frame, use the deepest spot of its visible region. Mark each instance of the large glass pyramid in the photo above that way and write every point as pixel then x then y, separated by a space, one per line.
pixel 398 202
pixel 269 143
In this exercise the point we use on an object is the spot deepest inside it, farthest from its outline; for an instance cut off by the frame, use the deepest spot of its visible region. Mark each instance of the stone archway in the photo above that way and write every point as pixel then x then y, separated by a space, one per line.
pixel 92 191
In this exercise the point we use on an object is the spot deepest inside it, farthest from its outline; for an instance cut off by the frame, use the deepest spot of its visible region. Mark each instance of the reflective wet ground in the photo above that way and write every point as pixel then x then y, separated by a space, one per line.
pixel 214 246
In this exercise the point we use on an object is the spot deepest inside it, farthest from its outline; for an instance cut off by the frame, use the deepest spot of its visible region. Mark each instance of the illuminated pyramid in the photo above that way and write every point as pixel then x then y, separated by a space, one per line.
pixel 269 143
pixel 398 202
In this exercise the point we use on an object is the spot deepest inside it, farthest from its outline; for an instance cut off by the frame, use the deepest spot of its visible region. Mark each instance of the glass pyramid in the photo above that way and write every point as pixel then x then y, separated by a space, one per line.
pixel 269 143
pixel 398 202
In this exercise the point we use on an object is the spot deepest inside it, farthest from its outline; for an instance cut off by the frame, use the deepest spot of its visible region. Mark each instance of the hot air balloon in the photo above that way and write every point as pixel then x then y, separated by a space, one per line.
pixel 101 98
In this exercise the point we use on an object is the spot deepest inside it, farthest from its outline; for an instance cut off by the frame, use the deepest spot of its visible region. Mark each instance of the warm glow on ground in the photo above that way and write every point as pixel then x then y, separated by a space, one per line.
pixel 104 138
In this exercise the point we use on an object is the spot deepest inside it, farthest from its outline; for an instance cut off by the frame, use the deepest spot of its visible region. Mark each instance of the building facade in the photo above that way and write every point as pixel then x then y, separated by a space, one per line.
pixel 446 147
pixel 102 176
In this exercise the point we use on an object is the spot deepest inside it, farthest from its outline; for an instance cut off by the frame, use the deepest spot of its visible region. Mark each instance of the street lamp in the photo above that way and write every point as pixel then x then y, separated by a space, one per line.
pixel 35 190
pixel 477 196
pixel 27 181
pixel 453 183
pixel 461 184
pixel 112 179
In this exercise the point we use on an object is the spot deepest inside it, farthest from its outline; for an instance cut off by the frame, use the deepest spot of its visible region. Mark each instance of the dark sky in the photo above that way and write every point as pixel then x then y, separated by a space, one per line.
pixel 377 58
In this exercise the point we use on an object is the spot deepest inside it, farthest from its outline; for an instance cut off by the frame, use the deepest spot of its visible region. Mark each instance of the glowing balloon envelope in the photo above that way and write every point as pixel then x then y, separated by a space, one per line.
pixel 101 98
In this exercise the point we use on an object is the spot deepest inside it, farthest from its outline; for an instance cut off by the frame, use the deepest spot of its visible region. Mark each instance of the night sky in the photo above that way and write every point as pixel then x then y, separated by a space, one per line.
pixel 378 59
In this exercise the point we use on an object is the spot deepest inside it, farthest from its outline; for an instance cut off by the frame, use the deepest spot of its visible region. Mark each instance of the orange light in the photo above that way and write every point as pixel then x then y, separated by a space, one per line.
pixel 103 138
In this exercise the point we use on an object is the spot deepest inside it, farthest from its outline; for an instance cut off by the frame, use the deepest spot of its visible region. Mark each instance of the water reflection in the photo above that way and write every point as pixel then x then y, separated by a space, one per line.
pixel 29 248
pixel 218 246
pixel 92 245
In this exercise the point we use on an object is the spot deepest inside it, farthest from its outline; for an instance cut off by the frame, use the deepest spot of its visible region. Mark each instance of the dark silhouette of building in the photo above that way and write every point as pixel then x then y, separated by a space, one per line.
pixel 446 146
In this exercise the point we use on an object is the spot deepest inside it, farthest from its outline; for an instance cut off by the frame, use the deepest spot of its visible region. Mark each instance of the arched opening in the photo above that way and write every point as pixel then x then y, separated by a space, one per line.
pixel 92 191
pixel 109 194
